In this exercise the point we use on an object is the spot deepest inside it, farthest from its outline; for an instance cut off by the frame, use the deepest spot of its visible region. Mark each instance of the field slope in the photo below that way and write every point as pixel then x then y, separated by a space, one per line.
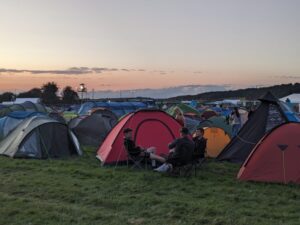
pixel 79 191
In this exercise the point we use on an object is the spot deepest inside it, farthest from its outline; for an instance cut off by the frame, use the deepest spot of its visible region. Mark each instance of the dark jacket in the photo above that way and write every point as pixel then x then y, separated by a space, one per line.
pixel 183 153
pixel 131 148
pixel 200 146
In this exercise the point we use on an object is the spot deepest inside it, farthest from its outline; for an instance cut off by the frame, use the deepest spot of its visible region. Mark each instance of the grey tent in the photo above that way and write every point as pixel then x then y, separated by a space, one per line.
pixel 270 113
pixel 34 107
pixel 17 107
pixel 29 106
pixel 92 129
pixel 40 137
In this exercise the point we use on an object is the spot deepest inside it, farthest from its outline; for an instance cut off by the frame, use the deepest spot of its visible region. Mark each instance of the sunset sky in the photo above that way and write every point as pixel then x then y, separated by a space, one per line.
pixel 138 44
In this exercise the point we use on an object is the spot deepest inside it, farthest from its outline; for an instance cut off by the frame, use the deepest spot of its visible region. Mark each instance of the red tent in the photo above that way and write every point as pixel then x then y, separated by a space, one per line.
pixel 276 157
pixel 150 128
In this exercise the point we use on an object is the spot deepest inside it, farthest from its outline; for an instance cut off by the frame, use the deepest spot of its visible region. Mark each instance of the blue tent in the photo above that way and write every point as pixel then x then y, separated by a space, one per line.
pixel 118 108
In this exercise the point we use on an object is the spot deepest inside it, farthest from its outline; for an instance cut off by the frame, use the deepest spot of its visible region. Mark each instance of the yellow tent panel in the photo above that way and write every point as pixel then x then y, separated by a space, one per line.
pixel 217 139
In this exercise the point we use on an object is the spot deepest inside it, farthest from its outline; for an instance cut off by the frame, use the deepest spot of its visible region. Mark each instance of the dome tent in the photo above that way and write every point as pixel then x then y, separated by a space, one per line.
pixel 191 115
pixel 217 139
pixel 219 122
pixel 150 128
pixel 118 108
pixel 12 120
pixel 275 158
pixel 92 129
pixel 40 138
pixel 184 109
pixel 208 114
pixel 268 115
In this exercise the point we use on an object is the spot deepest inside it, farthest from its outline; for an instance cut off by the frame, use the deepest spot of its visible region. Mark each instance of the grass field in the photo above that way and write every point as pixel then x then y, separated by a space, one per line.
pixel 79 191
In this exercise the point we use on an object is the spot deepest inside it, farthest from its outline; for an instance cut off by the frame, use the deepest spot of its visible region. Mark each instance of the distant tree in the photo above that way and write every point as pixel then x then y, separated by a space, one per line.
pixel 49 91
pixel 69 96
pixel 7 97
pixel 33 93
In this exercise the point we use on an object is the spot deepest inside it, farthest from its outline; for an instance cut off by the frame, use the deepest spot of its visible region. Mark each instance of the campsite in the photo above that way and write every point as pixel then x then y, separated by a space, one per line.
pixel 139 112
pixel 76 171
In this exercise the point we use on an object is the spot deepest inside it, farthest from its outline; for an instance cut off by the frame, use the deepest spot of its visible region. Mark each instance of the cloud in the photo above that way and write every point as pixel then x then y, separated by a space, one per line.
pixel 69 71
pixel 76 71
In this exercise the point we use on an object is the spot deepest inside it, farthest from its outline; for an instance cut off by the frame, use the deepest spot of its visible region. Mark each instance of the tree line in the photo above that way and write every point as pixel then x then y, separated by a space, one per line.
pixel 48 94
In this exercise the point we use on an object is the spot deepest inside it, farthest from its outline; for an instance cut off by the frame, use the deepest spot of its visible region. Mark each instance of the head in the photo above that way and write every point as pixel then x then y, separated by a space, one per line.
pixel 184 132
pixel 127 133
pixel 199 132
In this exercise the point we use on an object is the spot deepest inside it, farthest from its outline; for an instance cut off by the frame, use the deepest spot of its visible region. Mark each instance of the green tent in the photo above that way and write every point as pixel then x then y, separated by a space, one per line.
pixel 219 122
pixel 184 109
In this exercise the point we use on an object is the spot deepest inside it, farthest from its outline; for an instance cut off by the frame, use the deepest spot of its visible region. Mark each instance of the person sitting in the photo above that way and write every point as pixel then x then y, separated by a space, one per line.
pixel 181 152
pixel 200 144
pixel 137 151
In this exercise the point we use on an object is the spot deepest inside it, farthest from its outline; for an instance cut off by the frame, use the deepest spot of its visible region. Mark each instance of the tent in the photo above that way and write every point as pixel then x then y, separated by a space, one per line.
pixel 293 98
pixel 150 128
pixel 268 115
pixel 34 107
pixel 208 114
pixel 17 107
pixel 217 139
pixel 92 129
pixel 219 122
pixel 276 157
pixel 118 108
pixel 184 109
pixel 12 120
pixel 40 137
pixel 4 111
pixel 191 115
pixel 26 106
pixel 69 115
pixel 57 116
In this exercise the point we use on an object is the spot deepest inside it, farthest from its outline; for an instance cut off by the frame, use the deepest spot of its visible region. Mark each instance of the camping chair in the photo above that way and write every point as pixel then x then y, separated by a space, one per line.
pixel 197 163
pixel 137 161
pixel 187 169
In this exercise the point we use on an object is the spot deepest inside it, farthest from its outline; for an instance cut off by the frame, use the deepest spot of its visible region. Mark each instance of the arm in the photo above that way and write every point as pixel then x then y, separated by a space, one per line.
pixel 172 144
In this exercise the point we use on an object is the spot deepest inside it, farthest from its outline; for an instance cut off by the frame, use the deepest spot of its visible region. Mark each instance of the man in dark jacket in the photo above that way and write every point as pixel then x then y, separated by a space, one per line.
pixel 137 151
pixel 200 144
pixel 181 152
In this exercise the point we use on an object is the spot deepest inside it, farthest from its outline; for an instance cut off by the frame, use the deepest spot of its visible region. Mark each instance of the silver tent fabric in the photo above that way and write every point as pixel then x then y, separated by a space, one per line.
pixel 26 135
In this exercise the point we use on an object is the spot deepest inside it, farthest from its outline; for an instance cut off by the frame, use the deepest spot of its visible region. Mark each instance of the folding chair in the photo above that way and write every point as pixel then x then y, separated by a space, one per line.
pixel 136 161
pixel 197 163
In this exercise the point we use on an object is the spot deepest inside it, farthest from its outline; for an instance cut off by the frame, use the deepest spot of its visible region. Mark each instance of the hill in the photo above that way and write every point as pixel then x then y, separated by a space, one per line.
pixel 248 94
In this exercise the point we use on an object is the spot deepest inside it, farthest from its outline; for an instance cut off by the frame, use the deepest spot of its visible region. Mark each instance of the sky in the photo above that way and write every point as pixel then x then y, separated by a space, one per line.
pixel 137 45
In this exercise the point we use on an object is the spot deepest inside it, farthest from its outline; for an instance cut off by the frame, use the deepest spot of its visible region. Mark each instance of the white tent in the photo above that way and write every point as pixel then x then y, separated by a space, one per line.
pixel 294 98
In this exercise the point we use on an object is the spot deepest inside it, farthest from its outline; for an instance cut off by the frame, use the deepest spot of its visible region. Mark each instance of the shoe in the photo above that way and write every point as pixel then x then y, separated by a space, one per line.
pixel 163 168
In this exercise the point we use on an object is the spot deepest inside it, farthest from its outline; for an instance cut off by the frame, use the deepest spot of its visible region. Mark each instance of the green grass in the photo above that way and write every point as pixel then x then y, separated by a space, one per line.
pixel 79 191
